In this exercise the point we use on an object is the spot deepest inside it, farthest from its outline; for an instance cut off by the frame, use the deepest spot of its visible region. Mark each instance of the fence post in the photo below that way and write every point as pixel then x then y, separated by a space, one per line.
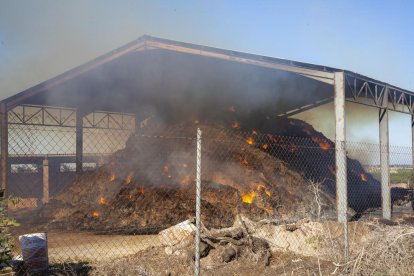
pixel 79 141
pixel 198 205
pixel 45 181
pixel 384 157
pixel 340 155
pixel 4 169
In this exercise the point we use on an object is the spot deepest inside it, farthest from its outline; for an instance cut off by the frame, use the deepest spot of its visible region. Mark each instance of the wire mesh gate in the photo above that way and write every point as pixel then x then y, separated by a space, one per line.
pixel 137 187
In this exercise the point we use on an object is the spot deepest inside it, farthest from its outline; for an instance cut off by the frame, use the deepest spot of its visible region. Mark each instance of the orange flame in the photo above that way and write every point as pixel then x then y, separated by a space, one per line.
pixel 254 132
pixel 323 144
pixel 141 190
pixel 248 197
pixel 244 161
pixel 268 209
pixel 250 140
pixel 102 201
pixel 112 177
pixel 262 186
pixel 235 125
pixel 95 214
pixel 265 146
pixel 363 177
pixel 232 109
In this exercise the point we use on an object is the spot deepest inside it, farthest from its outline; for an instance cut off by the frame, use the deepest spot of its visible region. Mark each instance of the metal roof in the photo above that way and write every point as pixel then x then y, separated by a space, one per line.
pixel 318 72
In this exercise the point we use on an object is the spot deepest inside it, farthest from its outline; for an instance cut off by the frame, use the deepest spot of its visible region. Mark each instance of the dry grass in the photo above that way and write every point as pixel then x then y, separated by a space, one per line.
pixel 389 250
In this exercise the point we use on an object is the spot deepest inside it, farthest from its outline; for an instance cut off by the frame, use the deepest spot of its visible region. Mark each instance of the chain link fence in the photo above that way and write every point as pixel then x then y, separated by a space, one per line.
pixel 268 202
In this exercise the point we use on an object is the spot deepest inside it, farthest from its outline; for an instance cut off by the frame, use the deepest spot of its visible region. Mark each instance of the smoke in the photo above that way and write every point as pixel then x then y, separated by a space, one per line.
pixel 178 85
pixel 168 87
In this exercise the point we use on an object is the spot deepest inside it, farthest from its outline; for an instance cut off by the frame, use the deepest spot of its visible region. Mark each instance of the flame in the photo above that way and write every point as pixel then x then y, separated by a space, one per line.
pixel 129 196
pixel 102 201
pixel 323 144
pixel 265 146
pixel 95 214
pixel 250 140
pixel 232 109
pixel 141 190
pixel 262 186
pixel 129 178
pixel 248 197
pixel 244 161
pixel 254 132
pixel 332 170
pixel 268 209
pixel 112 177
pixel 186 180
pixel 235 125
pixel 363 177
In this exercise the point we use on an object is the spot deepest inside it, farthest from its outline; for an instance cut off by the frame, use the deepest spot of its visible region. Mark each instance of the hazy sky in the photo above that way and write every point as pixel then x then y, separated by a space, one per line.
pixel 41 39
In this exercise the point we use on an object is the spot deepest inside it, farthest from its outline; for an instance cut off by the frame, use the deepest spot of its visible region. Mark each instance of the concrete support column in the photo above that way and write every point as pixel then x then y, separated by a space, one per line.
pixel 340 149
pixel 384 157
pixel 412 149
pixel 4 150
pixel 45 198
pixel 79 141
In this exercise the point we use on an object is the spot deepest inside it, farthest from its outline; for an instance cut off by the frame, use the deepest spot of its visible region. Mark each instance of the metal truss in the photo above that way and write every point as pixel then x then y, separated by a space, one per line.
pixel 372 93
pixel 109 120
pixel 66 117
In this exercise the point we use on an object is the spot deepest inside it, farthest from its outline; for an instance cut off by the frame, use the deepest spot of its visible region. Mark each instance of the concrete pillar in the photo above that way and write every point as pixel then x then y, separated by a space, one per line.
pixel 45 198
pixel 340 150
pixel 384 158
pixel 79 141
pixel 412 149
pixel 4 150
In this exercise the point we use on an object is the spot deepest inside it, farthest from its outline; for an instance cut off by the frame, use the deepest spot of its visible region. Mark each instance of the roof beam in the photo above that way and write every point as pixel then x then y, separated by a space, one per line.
pixel 326 77
pixel 135 46
pixel 305 108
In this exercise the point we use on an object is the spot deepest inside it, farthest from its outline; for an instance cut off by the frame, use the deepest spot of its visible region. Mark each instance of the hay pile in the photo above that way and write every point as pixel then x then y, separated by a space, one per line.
pixel 150 185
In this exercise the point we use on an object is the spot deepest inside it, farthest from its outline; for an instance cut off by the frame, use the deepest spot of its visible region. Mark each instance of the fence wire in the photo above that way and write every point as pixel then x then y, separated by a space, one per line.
pixel 267 201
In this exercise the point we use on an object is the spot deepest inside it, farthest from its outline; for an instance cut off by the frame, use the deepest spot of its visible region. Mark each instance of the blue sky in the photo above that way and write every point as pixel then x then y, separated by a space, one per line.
pixel 40 39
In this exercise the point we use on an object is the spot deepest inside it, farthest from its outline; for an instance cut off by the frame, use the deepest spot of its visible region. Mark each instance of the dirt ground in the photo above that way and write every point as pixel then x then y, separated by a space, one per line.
pixel 376 247
pixel 89 247
pixel 153 261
